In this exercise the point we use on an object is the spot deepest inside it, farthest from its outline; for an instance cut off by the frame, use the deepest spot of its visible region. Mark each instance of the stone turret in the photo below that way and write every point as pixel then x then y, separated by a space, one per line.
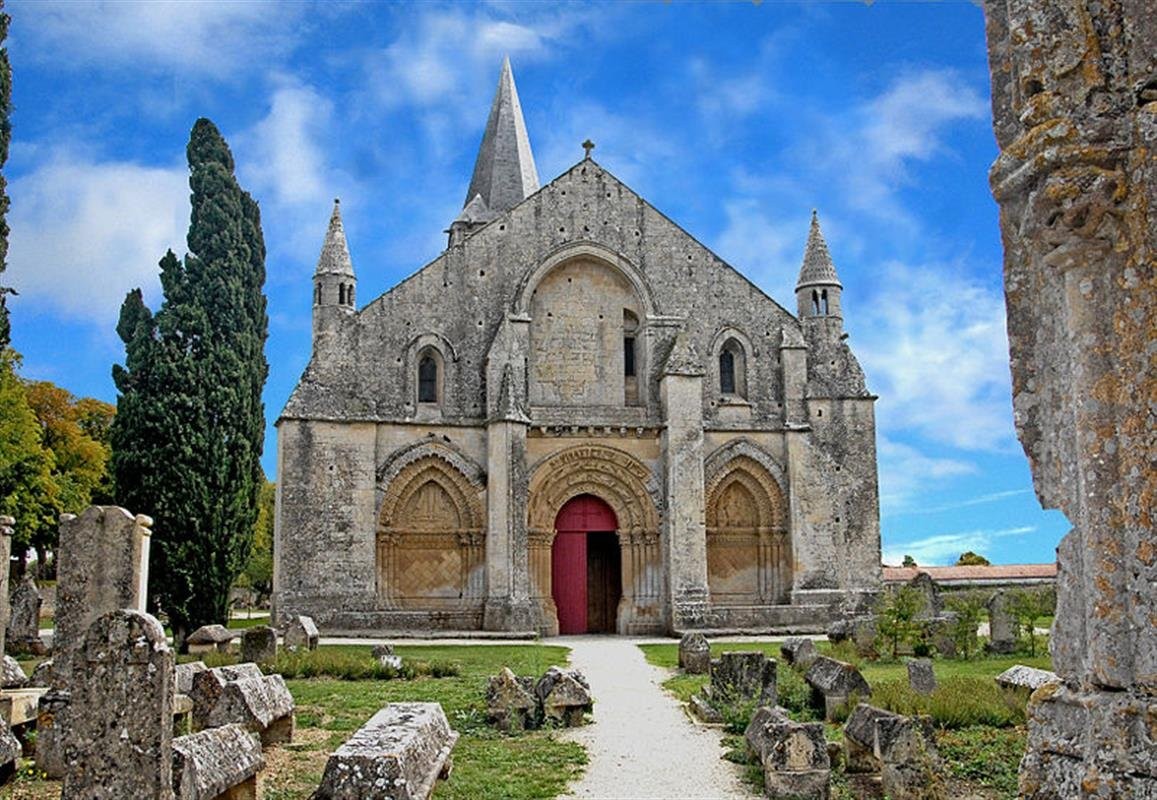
pixel 817 291
pixel 334 282
pixel 504 172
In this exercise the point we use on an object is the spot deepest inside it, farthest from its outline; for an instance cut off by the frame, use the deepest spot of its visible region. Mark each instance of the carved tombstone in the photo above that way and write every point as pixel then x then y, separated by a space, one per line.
pixel 23 634
pixel 120 734
pixel 301 634
pixel 929 593
pixel 921 679
pixel 1001 625
pixel 1074 89
pixel 695 653
pixel 259 644
pixel 6 524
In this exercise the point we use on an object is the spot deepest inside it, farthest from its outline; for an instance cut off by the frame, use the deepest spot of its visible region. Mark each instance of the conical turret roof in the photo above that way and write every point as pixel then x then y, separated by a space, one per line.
pixel 335 253
pixel 504 172
pixel 817 268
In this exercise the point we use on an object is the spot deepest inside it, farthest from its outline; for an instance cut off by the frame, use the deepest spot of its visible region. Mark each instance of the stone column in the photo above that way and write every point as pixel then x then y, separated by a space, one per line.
pixel 684 528
pixel 793 364
pixel 508 604
pixel 6 531
pixel 1074 86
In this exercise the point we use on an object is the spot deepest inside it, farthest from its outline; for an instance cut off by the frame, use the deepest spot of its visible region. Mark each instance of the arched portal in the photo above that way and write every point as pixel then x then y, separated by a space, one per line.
pixel 586 566
pixel 627 488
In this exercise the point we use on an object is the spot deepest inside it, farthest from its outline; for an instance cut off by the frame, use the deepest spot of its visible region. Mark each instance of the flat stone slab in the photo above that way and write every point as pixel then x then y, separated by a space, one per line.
pixel 1024 677
pixel 208 638
pixel 398 754
pixel 210 763
pixel 18 706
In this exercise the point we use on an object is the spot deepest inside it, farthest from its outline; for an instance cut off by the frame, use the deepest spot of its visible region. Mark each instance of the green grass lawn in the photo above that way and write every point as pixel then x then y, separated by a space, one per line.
pixel 487 763
pixel 981 734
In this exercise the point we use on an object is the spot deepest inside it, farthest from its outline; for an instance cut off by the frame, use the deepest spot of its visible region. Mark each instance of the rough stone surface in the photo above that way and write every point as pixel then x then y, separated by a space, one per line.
pixel 1074 93
pixel 794 757
pixel 241 694
pixel 740 677
pixel 1002 625
pixel 910 765
pixel 860 737
pixel 860 631
pixel 799 652
pixel 695 654
pixel 102 566
pixel 520 325
pixel 184 673
pixel 397 755
pixel 565 696
pixel 756 734
pixel 6 531
pixel 920 676
pixel 211 637
pixel 511 703
pixel 259 644
pixel 214 762
pixel 926 589
pixel 1024 677
pixel 834 683
pixel 301 634
pixel 42 674
pixel 23 635
pixel 12 675
pixel 10 750
pixel 118 739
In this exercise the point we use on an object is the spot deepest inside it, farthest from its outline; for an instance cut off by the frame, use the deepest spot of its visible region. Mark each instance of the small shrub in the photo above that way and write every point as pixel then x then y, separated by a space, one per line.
pixel 985 756
pixel 969 608
pixel 795 695
pixel 342 664
pixel 737 716
pixel 957 702
pixel 896 622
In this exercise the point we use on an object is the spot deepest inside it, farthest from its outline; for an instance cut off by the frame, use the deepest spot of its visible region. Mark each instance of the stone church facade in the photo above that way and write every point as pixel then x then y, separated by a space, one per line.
pixel 576 418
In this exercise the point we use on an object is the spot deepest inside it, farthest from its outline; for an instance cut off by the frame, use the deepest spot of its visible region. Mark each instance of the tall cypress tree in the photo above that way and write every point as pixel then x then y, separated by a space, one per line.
pixel 190 423
pixel 5 137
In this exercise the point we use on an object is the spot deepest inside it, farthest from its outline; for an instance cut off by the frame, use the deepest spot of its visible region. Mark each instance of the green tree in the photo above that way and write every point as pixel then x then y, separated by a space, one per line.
pixel 908 561
pixel 5 138
pixel 27 490
pixel 190 423
pixel 896 617
pixel 970 612
pixel 1028 606
pixel 258 573
pixel 79 461
pixel 971 559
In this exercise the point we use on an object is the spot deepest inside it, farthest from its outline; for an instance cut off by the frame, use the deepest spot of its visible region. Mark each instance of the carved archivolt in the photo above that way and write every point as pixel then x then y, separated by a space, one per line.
pixel 462 507
pixel 453 458
pixel 745 481
pixel 616 477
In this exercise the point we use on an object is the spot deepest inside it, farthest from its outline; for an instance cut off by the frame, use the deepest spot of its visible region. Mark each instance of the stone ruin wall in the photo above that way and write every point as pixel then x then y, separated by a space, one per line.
pixel 1074 86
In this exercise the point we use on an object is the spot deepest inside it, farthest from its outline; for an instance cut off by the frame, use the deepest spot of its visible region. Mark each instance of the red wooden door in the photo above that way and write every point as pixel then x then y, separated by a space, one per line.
pixel 568 558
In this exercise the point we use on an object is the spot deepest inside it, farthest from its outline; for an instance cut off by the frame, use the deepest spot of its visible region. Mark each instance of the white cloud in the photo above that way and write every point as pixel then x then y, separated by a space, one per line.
pixel 933 343
pixel 945 548
pixel 284 160
pixel 906 472
pixel 982 500
pixel 767 248
pixel 84 233
pixel 203 38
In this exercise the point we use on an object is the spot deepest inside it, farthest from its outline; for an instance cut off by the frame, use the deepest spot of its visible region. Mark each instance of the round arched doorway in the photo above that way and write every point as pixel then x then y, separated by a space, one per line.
pixel 586 566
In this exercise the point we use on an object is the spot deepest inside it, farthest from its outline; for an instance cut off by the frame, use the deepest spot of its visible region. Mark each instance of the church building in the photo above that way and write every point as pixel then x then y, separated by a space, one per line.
pixel 577 418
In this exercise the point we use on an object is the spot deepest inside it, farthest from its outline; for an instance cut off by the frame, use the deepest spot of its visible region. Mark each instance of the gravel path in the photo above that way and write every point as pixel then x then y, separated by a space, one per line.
pixel 641 743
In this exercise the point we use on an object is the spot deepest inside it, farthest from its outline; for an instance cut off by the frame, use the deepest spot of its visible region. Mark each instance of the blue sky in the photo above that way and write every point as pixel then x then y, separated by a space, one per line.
pixel 734 120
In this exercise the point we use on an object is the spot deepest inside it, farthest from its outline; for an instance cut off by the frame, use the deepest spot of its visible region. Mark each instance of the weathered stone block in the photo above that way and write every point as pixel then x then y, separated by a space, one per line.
pixel 756 734
pixel 301 634
pixel 926 589
pixel 209 638
pixel 911 768
pixel 398 755
pixel 741 677
pixel 118 734
pixel 511 703
pixel 241 694
pixel 565 696
pixel 860 737
pixel 834 684
pixel 921 678
pixel 42 674
pixel 1002 625
pixel 51 710
pixel 1024 677
pixel 695 654
pixel 217 763
pixel 10 750
pixel 184 673
pixel 12 674
pixel 23 634
pixel 799 652
pixel 704 711
pixel 259 644
pixel 6 531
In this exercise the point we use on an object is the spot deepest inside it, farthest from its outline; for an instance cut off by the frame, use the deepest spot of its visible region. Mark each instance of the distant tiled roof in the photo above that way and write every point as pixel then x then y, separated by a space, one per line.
pixel 996 573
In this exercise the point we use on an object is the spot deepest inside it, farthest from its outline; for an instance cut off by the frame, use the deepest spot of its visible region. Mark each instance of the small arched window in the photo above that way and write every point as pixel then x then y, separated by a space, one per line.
pixel 349 294
pixel 317 294
pixel 732 369
pixel 815 302
pixel 427 379
pixel 727 372
pixel 824 302
pixel 341 294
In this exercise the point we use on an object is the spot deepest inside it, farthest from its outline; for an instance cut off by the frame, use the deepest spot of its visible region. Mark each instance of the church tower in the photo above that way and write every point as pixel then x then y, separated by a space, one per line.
pixel 504 172
pixel 334 283
pixel 817 292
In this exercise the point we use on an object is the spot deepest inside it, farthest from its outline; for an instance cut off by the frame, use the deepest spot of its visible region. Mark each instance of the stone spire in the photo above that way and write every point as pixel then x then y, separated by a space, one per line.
pixel 335 253
pixel 504 173
pixel 817 268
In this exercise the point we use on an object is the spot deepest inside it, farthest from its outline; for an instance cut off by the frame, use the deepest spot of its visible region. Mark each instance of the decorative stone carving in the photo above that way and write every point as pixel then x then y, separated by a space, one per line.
pixel 1074 84
pixel 694 654
pixel 398 754
pixel 794 755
